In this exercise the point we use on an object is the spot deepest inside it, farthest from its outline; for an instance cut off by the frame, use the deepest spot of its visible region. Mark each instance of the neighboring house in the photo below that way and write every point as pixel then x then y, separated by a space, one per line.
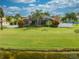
pixel 78 16
pixel 78 19
pixel 27 21
pixel 5 23
pixel 67 25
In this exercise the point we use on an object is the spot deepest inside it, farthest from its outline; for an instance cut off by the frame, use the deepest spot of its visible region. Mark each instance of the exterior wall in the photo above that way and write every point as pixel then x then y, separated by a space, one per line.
pixel 5 23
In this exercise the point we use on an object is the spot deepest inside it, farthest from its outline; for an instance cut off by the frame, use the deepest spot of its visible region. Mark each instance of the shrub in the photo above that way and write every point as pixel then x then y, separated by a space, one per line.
pixel 76 31
pixel 6 56
pixel 55 23
pixel 49 23
pixel 37 56
pixel 20 23
pixel 22 56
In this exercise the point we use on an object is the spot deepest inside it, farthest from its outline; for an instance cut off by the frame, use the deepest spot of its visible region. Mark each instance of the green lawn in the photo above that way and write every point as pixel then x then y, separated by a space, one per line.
pixel 39 38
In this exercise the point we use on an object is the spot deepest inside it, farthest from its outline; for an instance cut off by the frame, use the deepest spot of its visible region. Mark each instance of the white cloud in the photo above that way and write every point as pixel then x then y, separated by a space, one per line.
pixel 44 6
pixel 50 6
pixel 24 1
pixel 12 10
pixel 69 3
pixel 32 5
pixel 53 5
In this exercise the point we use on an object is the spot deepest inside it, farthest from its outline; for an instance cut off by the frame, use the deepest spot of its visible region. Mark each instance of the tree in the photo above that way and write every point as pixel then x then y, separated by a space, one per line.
pixel 17 16
pixel 55 23
pixel 49 23
pixel 74 17
pixel 9 18
pixel 71 17
pixel 20 23
pixel 38 15
pixel 63 19
pixel 1 16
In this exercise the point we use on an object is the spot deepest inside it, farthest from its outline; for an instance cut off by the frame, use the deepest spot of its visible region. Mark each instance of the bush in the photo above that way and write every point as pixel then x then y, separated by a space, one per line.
pixel 55 23
pixel 52 23
pixel 20 23
pixel 6 56
pixel 76 31
pixel 49 23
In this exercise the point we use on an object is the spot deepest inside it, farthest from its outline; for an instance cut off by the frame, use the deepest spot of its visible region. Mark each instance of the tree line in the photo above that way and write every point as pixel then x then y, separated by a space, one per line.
pixel 38 18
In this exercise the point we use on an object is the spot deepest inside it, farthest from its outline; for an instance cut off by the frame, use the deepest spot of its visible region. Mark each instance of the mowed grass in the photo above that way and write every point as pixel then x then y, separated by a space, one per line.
pixel 39 38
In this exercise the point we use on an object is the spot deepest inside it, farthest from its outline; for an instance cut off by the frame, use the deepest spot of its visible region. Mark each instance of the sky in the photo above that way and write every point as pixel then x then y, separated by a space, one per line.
pixel 25 7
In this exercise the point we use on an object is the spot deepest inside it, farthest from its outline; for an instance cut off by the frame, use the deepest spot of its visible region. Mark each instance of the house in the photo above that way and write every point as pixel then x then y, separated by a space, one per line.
pixel 27 21
pixel 39 22
pixel 67 25
pixel 7 24
pixel 4 22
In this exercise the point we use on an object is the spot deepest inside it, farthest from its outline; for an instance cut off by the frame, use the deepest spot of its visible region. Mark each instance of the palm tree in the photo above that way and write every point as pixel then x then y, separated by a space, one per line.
pixel 74 17
pixel 1 16
pixel 63 19
pixel 71 17
pixel 8 18
pixel 68 17
pixel 17 16
pixel 38 16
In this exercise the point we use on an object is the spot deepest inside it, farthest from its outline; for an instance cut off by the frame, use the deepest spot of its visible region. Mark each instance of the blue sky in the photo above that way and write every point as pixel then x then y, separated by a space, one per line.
pixel 25 7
